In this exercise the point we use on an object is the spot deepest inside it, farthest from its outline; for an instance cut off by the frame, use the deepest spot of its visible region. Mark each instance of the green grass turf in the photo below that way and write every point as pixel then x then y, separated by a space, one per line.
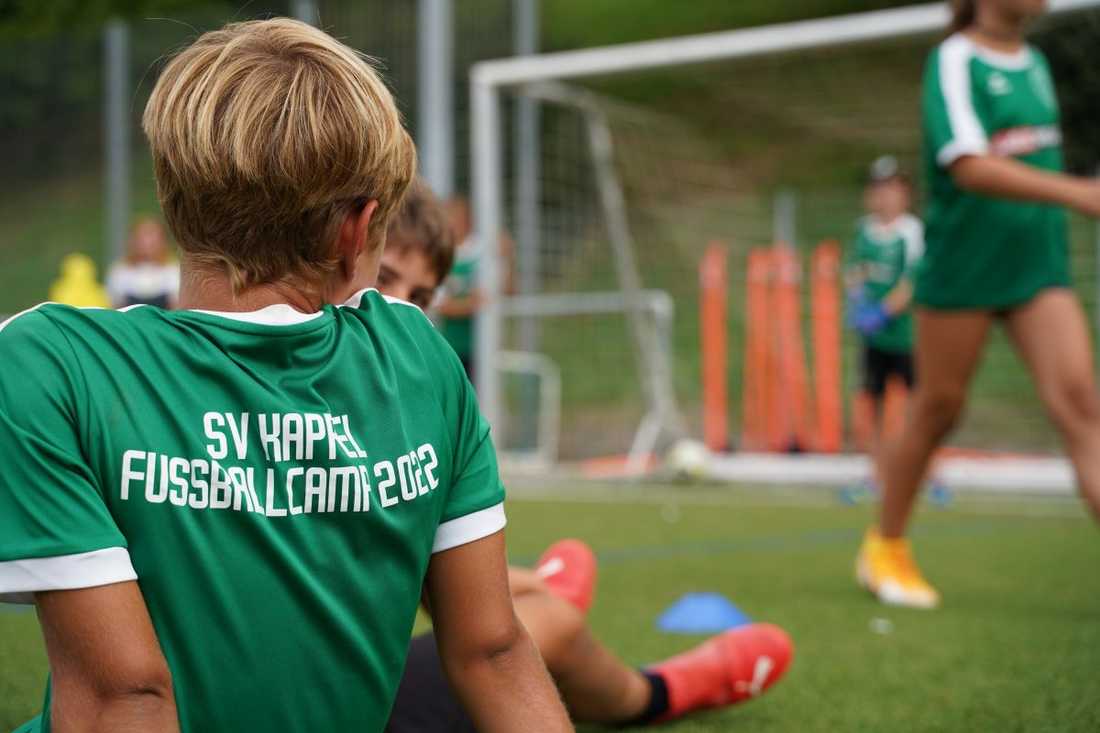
pixel 1016 647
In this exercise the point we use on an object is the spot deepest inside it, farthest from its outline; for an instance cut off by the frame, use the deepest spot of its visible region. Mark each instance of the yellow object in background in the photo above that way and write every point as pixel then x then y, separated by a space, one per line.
pixel 77 284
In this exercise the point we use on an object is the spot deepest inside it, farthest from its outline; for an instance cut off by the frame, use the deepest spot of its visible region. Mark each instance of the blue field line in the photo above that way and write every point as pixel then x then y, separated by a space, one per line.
pixel 768 543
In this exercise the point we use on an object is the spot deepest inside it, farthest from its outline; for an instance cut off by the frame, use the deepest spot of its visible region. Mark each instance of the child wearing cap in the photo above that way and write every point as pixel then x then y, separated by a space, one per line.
pixel 882 258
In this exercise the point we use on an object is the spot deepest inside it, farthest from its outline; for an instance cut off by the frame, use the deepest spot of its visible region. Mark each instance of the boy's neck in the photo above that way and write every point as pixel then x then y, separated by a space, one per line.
pixel 998 31
pixel 204 289
pixel 883 221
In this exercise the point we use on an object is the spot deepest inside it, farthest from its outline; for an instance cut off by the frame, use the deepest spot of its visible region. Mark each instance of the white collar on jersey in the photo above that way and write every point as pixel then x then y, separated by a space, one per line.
pixel 282 314
pixel 1019 59
pixel 279 314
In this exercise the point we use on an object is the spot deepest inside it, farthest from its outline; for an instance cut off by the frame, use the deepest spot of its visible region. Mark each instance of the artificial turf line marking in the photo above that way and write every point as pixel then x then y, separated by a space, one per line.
pixel 765 544
pixel 1018 506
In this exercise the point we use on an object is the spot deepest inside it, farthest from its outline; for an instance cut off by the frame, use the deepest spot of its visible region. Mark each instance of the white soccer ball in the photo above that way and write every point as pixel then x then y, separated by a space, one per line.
pixel 688 459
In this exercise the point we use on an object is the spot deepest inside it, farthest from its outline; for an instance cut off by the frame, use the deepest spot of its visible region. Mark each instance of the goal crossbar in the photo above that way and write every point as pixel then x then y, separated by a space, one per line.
pixel 488 78
pixel 776 38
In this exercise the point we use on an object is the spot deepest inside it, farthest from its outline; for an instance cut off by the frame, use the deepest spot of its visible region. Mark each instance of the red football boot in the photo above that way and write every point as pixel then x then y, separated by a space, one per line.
pixel 736 665
pixel 568 568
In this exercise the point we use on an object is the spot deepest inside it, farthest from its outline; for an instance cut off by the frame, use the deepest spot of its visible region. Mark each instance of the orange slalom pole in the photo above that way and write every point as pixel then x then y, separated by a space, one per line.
pixel 779 416
pixel 713 300
pixel 756 388
pixel 826 324
pixel 791 428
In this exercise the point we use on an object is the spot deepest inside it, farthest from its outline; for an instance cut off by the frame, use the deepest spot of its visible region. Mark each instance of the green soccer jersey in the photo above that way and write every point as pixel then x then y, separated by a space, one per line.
pixel 275 481
pixel 984 252
pixel 883 255
pixel 461 283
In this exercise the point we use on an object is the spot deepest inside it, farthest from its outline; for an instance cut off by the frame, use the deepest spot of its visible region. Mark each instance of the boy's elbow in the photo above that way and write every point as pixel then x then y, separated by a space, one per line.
pixel 149 680
pixel 491 645
pixel 152 689
pixel 968 172
pixel 143 696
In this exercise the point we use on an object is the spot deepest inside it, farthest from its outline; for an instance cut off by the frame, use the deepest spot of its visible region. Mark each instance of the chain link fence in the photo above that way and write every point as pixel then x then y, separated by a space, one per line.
pixel 53 85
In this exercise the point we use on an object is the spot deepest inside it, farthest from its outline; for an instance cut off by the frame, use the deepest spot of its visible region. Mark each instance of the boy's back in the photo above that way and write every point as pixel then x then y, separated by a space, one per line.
pixel 280 476
pixel 276 477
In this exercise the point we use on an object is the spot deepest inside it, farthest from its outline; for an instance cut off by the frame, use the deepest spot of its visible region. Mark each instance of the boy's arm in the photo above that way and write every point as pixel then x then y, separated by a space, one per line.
pixel 853 268
pixel 900 297
pixel 461 306
pixel 1009 178
pixel 898 300
pixel 854 277
pixel 107 670
pixel 489 658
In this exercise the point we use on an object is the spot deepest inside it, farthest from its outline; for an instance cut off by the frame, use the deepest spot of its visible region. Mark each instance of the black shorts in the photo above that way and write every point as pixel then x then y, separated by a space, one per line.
pixel 425 702
pixel 879 365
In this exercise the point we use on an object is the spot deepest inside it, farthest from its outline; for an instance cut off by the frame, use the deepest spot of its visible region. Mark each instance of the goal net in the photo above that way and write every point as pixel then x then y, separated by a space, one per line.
pixel 754 144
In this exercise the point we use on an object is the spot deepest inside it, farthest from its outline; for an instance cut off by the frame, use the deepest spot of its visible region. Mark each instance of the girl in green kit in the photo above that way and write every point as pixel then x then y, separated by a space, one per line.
pixel 996 250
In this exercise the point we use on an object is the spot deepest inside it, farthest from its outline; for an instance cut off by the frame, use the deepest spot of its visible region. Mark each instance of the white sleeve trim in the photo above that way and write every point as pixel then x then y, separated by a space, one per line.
pixel 469 528
pixel 913 232
pixel 956 149
pixel 967 134
pixel 21 579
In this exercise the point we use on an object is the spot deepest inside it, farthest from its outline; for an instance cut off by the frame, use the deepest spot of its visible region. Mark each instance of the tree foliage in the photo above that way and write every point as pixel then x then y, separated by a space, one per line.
pixel 37 18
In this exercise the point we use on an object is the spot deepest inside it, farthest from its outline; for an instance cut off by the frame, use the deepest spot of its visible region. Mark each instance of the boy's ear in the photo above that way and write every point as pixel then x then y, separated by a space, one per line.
pixel 355 236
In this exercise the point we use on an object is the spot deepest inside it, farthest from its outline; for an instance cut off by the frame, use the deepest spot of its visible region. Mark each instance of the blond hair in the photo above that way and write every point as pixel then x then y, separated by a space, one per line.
pixel 265 135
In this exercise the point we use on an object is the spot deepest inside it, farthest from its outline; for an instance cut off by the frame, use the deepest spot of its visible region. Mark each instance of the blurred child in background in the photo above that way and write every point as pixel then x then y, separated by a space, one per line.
pixel 148 274
pixel 462 297
pixel 887 248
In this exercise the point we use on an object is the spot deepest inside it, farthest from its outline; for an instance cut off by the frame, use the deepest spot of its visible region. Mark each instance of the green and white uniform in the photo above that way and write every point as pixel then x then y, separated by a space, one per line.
pixel 984 252
pixel 884 254
pixel 276 482
pixel 461 283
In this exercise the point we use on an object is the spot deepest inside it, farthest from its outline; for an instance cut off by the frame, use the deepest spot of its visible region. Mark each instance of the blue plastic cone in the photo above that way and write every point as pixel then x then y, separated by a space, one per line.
pixel 702 613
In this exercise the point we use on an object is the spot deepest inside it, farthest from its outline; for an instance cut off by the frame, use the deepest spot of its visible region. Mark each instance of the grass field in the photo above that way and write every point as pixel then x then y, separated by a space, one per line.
pixel 1016 647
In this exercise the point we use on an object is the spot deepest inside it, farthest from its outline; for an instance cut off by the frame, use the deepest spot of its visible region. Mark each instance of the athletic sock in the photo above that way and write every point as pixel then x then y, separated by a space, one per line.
pixel 658 700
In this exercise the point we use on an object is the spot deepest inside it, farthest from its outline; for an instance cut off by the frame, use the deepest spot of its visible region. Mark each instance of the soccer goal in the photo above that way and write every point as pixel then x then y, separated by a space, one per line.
pixel 753 144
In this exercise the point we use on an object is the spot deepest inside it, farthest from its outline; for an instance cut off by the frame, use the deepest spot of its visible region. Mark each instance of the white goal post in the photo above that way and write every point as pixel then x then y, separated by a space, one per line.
pixel 533 76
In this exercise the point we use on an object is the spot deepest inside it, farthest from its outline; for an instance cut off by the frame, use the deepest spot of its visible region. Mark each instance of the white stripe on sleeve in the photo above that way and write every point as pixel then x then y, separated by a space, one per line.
pixel 469 528
pixel 21 579
pixel 967 134
pixel 912 230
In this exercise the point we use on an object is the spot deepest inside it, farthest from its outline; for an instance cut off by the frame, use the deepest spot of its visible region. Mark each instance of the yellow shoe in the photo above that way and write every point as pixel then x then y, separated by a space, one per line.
pixel 886 568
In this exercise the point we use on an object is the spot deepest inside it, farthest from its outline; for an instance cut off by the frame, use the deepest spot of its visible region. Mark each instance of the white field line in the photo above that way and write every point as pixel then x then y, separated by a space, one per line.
pixel 1014 475
pixel 969 504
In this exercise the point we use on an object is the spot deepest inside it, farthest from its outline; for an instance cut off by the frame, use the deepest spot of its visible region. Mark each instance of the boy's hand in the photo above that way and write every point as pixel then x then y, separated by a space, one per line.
pixel 870 318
